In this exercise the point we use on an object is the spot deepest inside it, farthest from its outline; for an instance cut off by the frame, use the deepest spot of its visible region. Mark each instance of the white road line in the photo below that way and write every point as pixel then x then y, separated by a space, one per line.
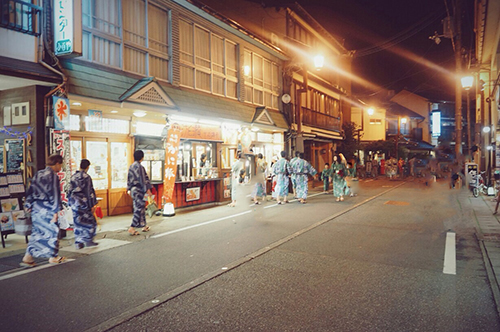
pixel 201 224
pixel 32 269
pixel 450 260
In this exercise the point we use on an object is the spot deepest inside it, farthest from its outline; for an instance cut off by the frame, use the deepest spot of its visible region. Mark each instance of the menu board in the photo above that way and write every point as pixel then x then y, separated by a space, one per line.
pixel 14 154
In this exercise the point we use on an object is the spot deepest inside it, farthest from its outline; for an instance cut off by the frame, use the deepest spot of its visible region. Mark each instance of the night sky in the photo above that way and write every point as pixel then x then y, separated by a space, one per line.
pixel 363 24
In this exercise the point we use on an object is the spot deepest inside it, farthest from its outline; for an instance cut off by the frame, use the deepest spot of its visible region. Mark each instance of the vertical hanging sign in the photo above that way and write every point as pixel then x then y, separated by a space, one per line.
pixel 67 27
pixel 61 113
pixel 61 145
pixel 171 153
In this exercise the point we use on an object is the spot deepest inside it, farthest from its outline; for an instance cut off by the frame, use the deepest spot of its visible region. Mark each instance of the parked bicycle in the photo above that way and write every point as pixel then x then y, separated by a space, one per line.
pixel 478 185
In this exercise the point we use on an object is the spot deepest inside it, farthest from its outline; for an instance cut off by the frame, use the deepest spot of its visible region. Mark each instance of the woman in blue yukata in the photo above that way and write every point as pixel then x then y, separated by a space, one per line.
pixel 282 168
pixel 43 200
pixel 301 168
pixel 259 180
pixel 138 186
pixel 83 201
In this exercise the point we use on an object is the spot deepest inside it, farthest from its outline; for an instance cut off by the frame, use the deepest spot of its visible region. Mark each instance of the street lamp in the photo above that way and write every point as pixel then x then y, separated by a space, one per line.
pixel 467 82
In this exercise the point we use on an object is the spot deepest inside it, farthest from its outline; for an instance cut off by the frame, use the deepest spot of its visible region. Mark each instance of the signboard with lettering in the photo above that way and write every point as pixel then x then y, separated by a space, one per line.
pixel 67 27
pixel 14 155
pixel 196 131
pixel 171 153
pixel 61 145
pixel 61 113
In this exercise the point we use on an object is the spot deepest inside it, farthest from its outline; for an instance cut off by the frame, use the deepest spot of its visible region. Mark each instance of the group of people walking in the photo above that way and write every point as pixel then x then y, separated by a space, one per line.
pixel 295 172
pixel 44 203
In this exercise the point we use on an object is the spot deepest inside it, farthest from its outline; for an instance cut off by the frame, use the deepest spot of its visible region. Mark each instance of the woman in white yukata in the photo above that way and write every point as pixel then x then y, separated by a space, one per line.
pixel 236 169
pixel 43 200
pixel 83 201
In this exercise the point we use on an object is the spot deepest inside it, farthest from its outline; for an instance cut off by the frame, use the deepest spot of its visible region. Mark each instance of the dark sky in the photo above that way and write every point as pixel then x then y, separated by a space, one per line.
pixel 363 24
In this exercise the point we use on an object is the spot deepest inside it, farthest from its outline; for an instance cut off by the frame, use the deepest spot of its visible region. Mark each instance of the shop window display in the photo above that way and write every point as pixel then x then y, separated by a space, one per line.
pixel 197 160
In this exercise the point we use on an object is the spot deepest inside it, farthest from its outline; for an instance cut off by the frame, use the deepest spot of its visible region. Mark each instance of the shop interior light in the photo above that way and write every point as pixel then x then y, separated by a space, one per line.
pixel 255 129
pixel 209 122
pixel 76 103
pixel 404 120
pixel 139 114
pixel 246 70
pixel 114 111
pixel 486 129
pixel 181 118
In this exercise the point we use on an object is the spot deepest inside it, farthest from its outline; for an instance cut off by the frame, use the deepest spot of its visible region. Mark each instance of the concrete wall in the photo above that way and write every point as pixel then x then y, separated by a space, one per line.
pixel 23 46
pixel 371 131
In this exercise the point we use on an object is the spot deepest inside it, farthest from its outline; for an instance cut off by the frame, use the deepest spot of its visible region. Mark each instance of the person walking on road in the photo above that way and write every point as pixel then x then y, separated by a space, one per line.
pixel 43 200
pixel 138 186
pixel 338 178
pixel 83 201
pixel 293 177
pixel 301 168
pixel 236 170
pixel 282 168
pixel 259 188
pixel 326 174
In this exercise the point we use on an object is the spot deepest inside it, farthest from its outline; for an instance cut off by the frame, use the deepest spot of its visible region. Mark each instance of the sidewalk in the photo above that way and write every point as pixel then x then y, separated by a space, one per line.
pixel 488 235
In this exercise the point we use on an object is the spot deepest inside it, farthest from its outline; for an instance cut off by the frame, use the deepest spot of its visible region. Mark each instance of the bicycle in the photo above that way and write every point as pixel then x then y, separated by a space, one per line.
pixel 478 185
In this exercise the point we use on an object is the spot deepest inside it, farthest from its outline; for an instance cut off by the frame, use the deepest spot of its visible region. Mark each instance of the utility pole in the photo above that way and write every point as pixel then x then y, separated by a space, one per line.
pixel 458 85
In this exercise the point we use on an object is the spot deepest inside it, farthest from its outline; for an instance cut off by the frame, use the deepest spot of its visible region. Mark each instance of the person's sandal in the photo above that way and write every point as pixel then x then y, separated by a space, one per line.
pixel 146 229
pixel 57 260
pixel 27 264
pixel 133 233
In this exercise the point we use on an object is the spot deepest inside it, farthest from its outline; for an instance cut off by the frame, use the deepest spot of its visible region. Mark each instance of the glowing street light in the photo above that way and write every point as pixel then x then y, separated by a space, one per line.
pixel 467 82
pixel 370 111
pixel 319 61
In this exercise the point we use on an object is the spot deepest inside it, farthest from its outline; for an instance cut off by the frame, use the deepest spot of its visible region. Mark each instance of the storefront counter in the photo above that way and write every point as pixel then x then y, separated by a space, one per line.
pixel 198 191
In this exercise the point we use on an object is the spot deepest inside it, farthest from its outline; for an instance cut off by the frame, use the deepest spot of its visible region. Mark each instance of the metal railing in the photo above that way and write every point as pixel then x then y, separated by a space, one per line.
pixel 20 16
pixel 320 120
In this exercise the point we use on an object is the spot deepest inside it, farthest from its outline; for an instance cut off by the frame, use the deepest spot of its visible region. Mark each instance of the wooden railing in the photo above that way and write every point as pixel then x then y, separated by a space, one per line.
pixel 320 120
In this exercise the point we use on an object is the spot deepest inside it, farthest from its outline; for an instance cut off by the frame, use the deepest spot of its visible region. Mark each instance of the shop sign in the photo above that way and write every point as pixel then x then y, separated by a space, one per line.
pixel 61 113
pixel 171 154
pixel 61 145
pixel 196 131
pixel 67 27
pixel 95 120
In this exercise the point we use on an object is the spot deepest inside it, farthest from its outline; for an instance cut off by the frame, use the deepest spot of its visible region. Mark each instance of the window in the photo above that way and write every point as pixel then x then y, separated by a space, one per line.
pixel 208 62
pixel 136 31
pixel 376 121
pixel 20 16
pixel 106 125
pixel 262 85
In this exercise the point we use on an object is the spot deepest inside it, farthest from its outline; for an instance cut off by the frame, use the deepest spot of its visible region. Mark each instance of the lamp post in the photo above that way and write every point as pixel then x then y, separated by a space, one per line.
pixel 467 82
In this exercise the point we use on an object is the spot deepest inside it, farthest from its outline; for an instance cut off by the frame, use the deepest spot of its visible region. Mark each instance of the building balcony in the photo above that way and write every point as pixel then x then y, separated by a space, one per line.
pixel 20 16
pixel 320 120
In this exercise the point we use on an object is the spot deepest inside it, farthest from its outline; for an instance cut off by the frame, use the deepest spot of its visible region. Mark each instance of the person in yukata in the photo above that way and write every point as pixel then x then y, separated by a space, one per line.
pixel 83 201
pixel 301 168
pixel 292 176
pixel 43 200
pixel 338 177
pixel 236 169
pixel 259 188
pixel 282 168
pixel 138 186
pixel 326 174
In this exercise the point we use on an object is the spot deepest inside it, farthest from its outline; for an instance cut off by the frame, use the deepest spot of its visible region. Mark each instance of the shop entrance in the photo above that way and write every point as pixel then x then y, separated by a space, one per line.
pixel 110 159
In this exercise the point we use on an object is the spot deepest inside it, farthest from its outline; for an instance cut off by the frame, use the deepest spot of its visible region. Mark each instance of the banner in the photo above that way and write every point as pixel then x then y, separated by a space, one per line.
pixel 171 153
pixel 61 113
pixel 61 145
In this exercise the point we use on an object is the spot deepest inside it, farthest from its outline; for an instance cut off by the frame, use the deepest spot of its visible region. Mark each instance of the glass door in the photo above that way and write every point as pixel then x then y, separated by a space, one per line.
pixel 97 154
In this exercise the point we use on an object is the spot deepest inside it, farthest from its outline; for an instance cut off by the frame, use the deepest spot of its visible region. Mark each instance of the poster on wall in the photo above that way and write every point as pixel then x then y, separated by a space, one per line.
pixel 171 153
pixel 61 113
pixel 14 155
pixel 61 145
pixel 192 194
pixel 1 159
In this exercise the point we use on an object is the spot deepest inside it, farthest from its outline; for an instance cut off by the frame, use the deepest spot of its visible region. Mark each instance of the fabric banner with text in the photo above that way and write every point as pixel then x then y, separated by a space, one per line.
pixel 61 145
pixel 171 153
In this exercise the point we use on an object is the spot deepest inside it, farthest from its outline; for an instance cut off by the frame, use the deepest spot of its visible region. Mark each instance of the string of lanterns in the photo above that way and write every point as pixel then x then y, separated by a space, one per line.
pixel 17 134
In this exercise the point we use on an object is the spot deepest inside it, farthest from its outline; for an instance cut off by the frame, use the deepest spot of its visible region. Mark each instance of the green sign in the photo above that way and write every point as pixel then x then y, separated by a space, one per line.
pixel 64 46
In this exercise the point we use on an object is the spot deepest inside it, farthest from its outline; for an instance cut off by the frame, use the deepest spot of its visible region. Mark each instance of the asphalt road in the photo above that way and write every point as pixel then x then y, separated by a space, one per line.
pixel 371 263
